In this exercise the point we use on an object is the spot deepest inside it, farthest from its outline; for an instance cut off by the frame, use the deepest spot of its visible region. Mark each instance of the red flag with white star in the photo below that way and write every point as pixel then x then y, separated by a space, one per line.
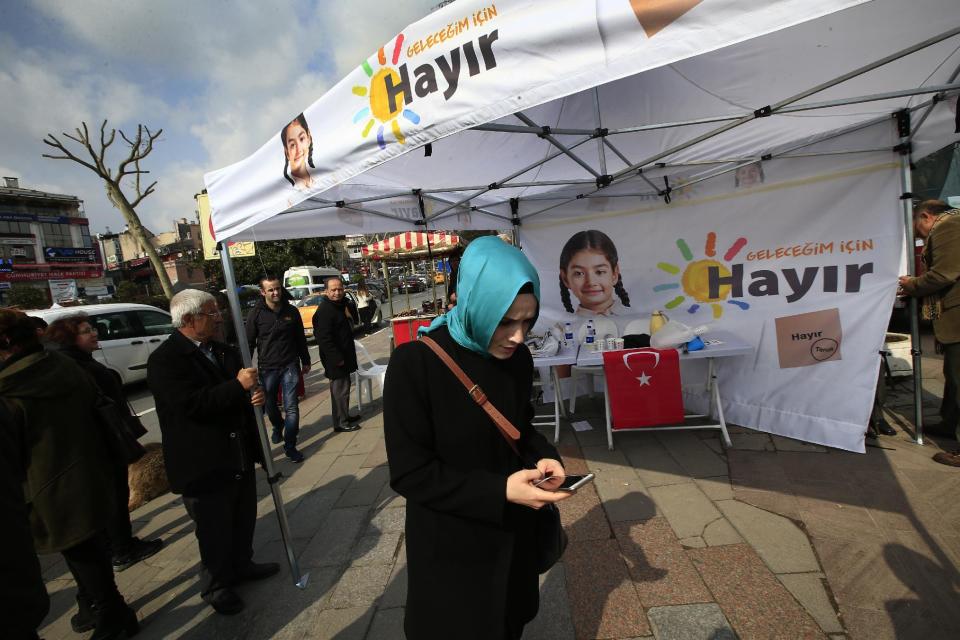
pixel 644 387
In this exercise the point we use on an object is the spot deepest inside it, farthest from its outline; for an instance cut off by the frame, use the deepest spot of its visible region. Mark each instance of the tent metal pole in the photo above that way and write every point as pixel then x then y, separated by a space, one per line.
pixel 942 95
pixel 778 106
pixel 600 150
pixel 513 175
pixel 549 138
pixel 273 478
pixel 906 183
pixel 535 130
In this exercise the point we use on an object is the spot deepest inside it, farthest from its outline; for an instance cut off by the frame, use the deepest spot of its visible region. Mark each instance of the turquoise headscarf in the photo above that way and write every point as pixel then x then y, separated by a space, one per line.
pixel 491 273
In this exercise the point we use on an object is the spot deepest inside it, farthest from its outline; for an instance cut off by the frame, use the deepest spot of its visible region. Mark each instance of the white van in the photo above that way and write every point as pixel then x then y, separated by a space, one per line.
pixel 306 280
pixel 128 334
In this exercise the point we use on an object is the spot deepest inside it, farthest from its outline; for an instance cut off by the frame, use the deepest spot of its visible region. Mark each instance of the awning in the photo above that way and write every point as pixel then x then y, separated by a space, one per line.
pixel 412 245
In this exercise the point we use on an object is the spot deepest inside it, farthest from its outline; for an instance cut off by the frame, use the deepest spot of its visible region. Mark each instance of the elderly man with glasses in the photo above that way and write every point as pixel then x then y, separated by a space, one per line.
pixel 204 400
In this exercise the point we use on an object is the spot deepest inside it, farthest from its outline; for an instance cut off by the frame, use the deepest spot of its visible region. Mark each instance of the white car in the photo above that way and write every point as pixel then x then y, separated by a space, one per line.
pixel 128 334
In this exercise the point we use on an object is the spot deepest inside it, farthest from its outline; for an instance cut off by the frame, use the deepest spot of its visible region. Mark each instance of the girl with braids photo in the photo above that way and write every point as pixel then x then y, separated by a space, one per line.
pixel 298 153
pixel 590 268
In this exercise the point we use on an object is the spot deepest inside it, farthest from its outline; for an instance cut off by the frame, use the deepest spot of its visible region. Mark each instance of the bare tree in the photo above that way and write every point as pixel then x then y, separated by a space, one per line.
pixel 127 173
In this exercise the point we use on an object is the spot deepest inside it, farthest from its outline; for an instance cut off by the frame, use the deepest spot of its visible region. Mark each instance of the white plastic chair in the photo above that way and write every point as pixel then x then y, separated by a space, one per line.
pixel 366 375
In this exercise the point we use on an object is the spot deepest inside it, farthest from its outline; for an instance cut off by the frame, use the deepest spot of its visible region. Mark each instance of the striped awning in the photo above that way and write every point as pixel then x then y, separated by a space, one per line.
pixel 412 245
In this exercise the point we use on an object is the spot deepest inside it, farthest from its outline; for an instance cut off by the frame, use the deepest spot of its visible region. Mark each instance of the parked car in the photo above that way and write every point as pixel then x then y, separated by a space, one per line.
pixel 128 334
pixel 375 290
pixel 412 284
pixel 309 306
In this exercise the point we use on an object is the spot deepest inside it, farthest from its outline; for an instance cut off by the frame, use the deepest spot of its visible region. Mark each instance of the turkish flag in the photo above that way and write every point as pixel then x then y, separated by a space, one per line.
pixel 643 386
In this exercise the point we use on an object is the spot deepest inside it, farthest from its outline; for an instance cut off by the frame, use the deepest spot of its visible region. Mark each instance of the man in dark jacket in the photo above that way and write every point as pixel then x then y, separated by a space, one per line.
pixel 210 443
pixel 333 332
pixel 275 330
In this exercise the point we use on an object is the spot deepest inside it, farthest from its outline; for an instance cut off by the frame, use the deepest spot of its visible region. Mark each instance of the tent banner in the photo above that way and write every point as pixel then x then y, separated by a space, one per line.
pixel 805 270
pixel 469 63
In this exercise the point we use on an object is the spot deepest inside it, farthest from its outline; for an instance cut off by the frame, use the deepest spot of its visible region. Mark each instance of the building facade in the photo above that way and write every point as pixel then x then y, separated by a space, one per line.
pixel 45 243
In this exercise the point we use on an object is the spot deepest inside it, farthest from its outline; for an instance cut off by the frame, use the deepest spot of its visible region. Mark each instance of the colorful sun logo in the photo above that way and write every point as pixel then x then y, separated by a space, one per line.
pixel 695 281
pixel 379 108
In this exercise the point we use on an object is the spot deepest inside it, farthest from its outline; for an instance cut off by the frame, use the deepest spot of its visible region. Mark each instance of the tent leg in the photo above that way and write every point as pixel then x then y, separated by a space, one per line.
pixel 273 478
pixel 907 185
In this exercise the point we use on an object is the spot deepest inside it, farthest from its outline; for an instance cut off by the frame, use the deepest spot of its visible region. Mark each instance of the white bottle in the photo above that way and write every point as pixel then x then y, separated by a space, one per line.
pixel 591 334
pixel 567 334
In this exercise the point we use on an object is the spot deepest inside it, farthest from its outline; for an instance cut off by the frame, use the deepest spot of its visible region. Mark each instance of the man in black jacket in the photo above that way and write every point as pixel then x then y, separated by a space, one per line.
pixel 333 332
pixel 275 330
pixel 210 443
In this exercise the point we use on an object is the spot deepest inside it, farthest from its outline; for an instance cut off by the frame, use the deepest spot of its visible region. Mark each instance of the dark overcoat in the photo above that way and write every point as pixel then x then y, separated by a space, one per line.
pixel 206 419
pixel 470 553
pixel 69 483
pixel 333 332
pixel 941 255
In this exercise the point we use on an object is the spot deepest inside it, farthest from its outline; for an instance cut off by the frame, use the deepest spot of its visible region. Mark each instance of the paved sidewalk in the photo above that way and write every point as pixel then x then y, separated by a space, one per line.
pixel 676 539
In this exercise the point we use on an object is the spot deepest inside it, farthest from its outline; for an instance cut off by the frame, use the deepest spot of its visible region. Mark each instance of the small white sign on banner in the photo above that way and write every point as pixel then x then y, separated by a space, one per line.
pixel 63 290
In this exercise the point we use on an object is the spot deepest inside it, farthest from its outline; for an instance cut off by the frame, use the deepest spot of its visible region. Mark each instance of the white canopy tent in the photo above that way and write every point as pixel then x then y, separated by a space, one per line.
pixel 530 114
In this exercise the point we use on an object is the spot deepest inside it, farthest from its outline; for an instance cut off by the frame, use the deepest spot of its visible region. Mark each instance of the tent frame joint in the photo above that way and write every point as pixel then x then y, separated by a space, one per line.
pixel 766 156
pixel 904 148
pixel 544 131
pixel 763 112
pixel 906 196
pixel 604 181
pixel 903 123
pixel 601 132
pixel 665 194
pixel 275 478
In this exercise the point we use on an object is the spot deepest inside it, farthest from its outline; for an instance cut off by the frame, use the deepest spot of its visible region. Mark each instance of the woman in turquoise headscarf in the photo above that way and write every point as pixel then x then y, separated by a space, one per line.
pixel 470 499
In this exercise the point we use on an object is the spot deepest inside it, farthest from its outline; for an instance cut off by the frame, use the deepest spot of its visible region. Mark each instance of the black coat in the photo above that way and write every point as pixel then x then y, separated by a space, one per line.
pixel 470 553
pixel 276 335
pixel 206 419
pixel 333 332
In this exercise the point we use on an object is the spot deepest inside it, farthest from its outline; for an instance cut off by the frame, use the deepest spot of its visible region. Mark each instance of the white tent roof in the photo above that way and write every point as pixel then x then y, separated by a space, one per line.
pixel 620 90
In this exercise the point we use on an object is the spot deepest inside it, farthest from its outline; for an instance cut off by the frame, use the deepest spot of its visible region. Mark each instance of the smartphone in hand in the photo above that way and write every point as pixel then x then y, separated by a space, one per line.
pixel 570 483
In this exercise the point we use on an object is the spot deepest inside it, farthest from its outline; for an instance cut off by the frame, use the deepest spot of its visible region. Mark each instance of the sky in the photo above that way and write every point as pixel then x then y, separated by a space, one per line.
pixel 219 77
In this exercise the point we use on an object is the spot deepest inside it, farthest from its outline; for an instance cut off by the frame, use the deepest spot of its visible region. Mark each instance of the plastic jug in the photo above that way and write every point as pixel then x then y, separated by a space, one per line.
pixel 657 320
pixel 673 334
pixel 591 334
pixel 567 334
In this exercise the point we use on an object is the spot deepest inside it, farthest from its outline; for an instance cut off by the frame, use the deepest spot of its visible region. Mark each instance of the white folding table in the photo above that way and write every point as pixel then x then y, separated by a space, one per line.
pixel 720 344
pixel 566 356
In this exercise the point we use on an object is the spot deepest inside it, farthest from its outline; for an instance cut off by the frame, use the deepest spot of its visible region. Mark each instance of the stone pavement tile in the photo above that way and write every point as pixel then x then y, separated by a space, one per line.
pixel 660 570
pixel 690 622
pixel 377 456
pixel 553 620
pixel 751 441
pixel 377 548
pixel 335 538
pixel 784 504
pixel 603 601
pixel 716 487
pixel 685 506
pixel 387 625
pixel 365 488
pixel 868 624
pixel 276 607
pixel 309 512
pixel 693 542
pixel 395 594
pixel 583 517
pixel 715 445
pixel 941 488
pixel 810 590
pixel 390 520
pixel 364 441
pixel 341 473
pixel 720 532
pixel 696 458
pixel 389 498
pixel 859 573
pixel 757 470
pixel 837 519
pixel 360 585
pixel 309 472
pixel 789 444
pixel 595 437
pixel 931 573
pixel 608 466
pixel 626 502
pixel 654 465
pixel 755 603
pixel 342 624
pixel 783 546
pixel 572 456
pixel 161 523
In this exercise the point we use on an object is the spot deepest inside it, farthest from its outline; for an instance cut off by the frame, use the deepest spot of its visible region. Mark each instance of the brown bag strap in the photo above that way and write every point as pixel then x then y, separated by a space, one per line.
pixel 507 430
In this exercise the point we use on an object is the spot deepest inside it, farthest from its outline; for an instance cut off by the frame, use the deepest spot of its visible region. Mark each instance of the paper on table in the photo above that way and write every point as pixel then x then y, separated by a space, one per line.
pixel 582 425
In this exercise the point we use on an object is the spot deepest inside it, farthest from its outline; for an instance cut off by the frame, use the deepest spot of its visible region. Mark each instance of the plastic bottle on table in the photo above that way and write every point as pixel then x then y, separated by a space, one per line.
pixel 591 336
pixel 567 334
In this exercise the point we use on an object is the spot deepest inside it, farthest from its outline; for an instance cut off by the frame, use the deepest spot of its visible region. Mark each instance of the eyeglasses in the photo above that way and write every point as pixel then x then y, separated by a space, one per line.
pixel 212 314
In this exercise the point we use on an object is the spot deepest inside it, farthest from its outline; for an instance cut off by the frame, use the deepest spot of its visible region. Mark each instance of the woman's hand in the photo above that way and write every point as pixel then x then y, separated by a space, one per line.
pixel 552 469
pixel 520 489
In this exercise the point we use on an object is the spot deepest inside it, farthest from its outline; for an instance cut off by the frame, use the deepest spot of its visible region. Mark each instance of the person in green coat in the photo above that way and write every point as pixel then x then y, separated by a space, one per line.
pixel 68 488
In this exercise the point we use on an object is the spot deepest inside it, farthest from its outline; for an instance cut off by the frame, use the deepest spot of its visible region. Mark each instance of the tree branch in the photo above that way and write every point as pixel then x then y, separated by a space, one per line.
pixel 143 195
pixel 67 155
